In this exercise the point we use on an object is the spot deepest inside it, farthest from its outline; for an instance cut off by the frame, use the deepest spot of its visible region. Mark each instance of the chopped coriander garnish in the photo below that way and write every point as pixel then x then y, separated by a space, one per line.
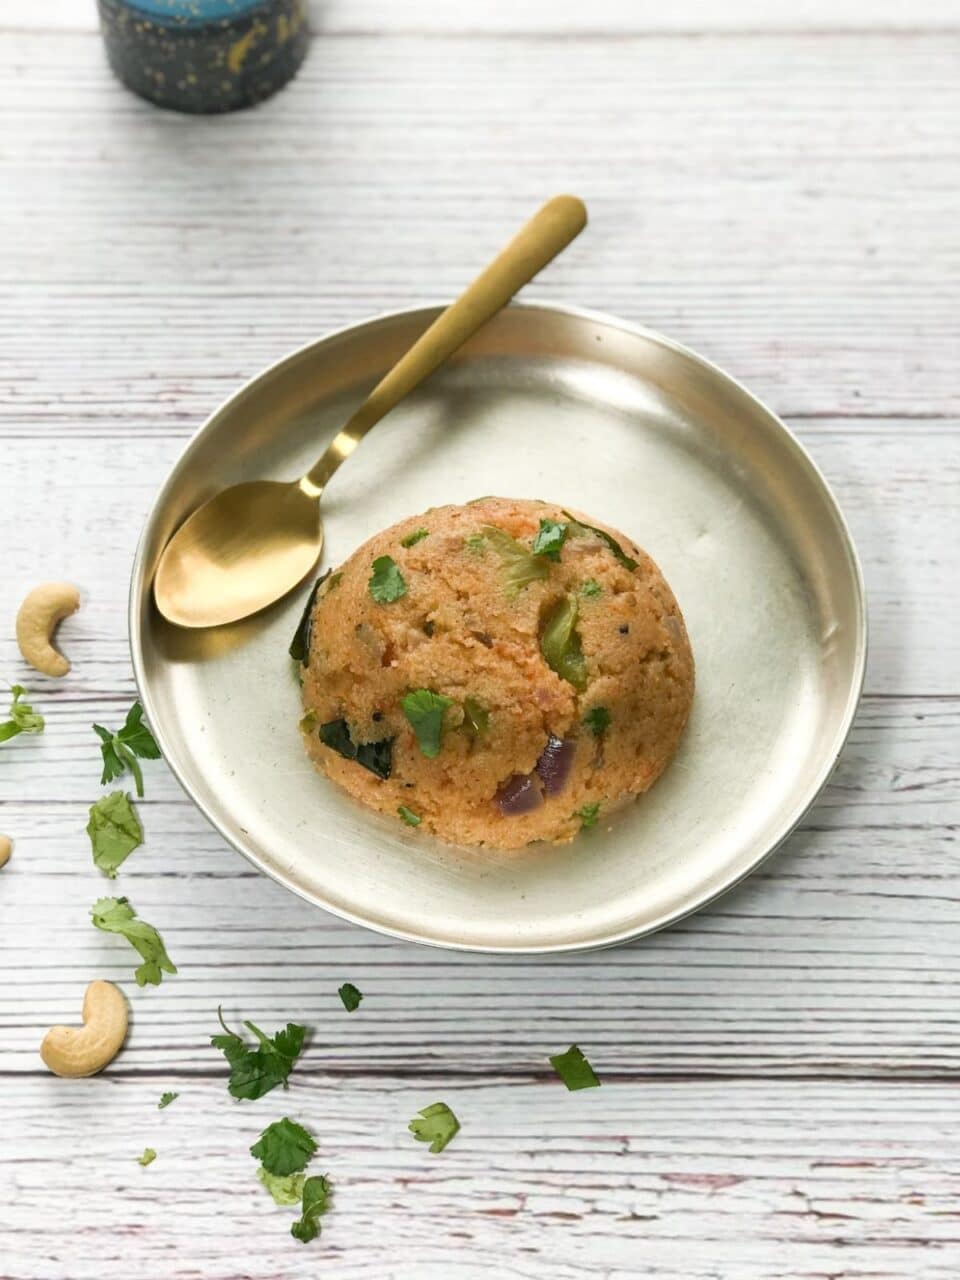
pixel 23 718
pixel 114 831
pixel 597 720
pixel 254 1072
pixel 550 538
pixel 518 565
pixel 351 996
pixel 386 582
pixel 413 538
pixel 299 648
pixel 115 915
pixel 577 528
pixel 316 1194
pixel 424 709
pixel 284 1147
pixel 307 723
pixel 574 1070
pixel 148 1157
pixel 435 1124
pixel 476 718
pixel 588 814
pixel 333 581
pixel 409 817
pixel 476 544
pixel 166 1099
pixel 375 756
pixel 591 588
pixel 286 1191
pixel 120 750
pixel 560 643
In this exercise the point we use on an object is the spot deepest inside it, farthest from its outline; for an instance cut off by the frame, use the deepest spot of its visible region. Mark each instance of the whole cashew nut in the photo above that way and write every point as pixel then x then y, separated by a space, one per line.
pixel 83 1051
pixel 37 620
pixel 6 848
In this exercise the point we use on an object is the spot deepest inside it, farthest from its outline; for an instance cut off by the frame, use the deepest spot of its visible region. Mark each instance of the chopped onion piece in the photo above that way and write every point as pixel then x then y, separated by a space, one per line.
pixel 555 764
pixel 519 794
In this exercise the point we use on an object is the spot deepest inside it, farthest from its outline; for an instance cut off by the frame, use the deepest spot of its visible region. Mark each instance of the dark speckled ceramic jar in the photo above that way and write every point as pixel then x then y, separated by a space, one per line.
pixel 204 55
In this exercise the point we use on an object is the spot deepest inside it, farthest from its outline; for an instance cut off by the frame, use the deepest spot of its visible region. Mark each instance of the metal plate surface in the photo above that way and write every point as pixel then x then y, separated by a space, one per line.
pixel 588 412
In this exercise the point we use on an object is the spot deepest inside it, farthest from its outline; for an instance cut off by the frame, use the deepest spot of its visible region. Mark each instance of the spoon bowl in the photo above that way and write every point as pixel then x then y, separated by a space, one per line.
pixel 238 553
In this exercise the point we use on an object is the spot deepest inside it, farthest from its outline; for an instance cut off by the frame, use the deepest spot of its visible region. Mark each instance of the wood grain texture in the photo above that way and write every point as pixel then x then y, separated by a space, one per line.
pixel 773 184
pixel 667 1180
pixel 552 19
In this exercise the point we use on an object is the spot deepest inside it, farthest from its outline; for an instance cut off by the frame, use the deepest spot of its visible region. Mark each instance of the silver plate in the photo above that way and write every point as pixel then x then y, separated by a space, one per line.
pixel 588 412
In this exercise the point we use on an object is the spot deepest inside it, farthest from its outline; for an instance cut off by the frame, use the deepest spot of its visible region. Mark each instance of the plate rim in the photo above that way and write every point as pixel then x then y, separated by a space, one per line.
pixel 138 588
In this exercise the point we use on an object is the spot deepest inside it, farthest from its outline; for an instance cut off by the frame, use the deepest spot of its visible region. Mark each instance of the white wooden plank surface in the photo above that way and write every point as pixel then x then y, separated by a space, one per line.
pixel 779 1097
pixel 668 1180
pixel 556 17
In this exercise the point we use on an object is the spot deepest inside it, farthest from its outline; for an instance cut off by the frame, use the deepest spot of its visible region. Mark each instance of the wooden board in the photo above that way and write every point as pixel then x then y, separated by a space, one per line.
pixel 774 184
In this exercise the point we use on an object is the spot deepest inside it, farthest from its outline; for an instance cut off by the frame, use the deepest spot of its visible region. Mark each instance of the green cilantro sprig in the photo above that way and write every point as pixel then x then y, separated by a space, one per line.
pixel 166 1099
pixel 286 1191
pixel 386 582
pixel 23 718
pixel 416 536
pixel 148 1157
pixel 574 1069
pixel 589 814
pixel 255 1071
pixel 550 538
pixel 284 1147
pixel 121 749
pixel 351 996
pixel 435 1124
pixel 597 720
pixel 115 915
pixel 424 710
pixel 114 830
pixel 314 1202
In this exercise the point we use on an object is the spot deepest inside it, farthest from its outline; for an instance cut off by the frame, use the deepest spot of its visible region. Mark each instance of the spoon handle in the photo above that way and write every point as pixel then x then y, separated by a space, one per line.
pixel 551 229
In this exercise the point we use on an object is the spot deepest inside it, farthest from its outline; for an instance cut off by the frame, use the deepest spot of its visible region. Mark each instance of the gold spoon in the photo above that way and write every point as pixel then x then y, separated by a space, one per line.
pixel 254 542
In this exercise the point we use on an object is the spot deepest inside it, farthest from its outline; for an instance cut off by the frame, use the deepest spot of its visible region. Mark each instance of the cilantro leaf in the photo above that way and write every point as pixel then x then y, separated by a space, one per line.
pixel 115 915
pixel 284 1147
pixel 577 528
pixel 550 538
pixel 597 720
pixel 316 1194
pixel 574 1070
pixel 413 538
pixel 350 995
pixel 518 566
pixel 114 830
pixel 299 648
pixel 286 1190
pixel 560 643
pixel 166 1099
pixel 408 816
pixel 476 718
pixel 591 588
pixel 23 718
pixel 148 1157
pixel 476 544
pixel 386 582
pixel 121 749
pixel 424 710
pixel 435 1124
pixel 254 1072
pixel 588 814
